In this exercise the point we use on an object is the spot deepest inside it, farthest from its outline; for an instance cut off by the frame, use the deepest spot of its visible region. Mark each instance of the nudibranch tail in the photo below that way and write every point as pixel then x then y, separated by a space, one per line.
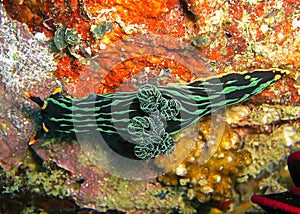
pixel 240 87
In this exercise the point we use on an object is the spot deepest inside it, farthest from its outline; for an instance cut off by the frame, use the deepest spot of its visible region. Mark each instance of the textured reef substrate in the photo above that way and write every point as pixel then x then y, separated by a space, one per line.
pixel 86 46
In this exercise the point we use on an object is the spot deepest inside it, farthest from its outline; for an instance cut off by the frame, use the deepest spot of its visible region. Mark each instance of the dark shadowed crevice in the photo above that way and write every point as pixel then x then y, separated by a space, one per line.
pixel 187 12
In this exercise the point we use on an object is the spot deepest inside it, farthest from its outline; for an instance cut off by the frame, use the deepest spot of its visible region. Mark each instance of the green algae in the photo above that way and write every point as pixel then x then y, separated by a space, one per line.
pixel 31 209
pixel 100 30
pixel 59 38
pixel 72 37
pixel 126 195
pixel 201 41
pixel 34 176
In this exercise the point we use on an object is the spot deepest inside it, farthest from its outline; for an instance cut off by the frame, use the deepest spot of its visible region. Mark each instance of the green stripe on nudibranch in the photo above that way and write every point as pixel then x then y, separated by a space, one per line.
pixel 149 116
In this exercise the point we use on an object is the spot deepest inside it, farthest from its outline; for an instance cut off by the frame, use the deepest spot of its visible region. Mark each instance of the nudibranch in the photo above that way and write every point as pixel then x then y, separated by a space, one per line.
pixel 150 116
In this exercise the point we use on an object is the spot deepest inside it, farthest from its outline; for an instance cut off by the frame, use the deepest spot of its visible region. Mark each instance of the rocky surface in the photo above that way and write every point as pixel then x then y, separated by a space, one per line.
pixel 92 46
